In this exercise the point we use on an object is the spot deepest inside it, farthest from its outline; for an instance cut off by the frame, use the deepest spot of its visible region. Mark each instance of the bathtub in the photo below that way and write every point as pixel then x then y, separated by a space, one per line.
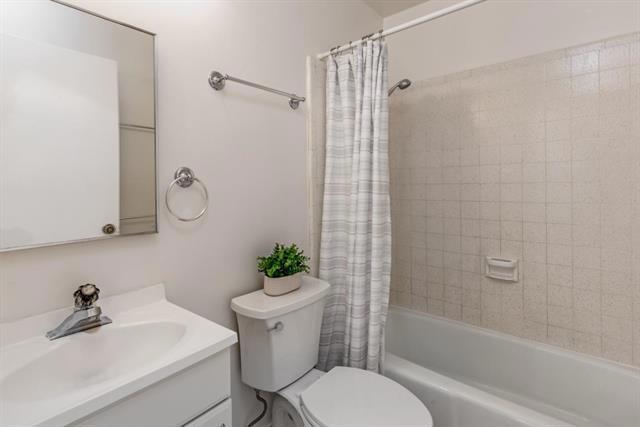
pixel 472 377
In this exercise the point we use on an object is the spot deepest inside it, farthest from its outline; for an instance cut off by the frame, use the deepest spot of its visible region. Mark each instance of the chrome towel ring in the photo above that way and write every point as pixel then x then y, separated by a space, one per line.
pixel 184 178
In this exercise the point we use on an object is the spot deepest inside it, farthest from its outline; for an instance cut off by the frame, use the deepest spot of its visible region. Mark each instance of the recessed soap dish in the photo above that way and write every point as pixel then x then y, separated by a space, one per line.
pixel 501 268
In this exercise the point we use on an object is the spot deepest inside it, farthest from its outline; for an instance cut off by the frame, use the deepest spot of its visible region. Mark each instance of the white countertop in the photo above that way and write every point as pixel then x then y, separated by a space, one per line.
pixel 57 382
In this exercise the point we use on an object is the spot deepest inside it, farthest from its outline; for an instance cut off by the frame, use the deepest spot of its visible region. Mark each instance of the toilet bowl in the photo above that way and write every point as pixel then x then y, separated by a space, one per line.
pixel 279 338
pixel 348 397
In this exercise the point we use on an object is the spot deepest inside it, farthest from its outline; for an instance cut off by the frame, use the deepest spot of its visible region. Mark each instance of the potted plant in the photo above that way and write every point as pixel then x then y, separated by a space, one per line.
pixel 282 269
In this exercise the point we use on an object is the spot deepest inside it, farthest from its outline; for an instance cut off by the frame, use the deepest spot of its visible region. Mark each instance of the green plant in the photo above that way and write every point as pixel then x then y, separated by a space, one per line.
pixel 283 261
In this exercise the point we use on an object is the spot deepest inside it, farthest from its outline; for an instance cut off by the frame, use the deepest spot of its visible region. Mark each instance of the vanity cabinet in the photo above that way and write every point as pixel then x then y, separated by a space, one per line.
pixel 198 396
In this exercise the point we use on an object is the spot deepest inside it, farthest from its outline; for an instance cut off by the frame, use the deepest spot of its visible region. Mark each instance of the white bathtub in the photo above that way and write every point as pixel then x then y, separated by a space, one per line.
pixel 472 377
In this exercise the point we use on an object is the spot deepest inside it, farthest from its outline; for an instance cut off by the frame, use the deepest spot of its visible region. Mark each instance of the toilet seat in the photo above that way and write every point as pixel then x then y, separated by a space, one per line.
pixel 358 398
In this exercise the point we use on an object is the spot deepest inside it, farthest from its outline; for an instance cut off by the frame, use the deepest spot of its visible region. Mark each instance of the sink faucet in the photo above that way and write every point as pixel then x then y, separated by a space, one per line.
pixel 86 315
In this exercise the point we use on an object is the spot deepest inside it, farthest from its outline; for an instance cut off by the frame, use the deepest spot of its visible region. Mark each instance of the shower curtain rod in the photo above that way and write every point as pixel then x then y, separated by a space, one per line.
pixel 415 22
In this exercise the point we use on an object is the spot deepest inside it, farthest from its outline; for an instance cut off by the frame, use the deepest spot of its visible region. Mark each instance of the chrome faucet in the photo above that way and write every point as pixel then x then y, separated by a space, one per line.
pixel 86 315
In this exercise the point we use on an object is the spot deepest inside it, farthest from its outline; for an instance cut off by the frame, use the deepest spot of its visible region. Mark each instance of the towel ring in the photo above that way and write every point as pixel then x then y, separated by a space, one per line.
pixel 184 178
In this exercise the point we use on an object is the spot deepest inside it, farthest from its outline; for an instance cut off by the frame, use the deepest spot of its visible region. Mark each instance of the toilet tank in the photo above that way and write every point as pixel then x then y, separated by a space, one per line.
pixel 279 336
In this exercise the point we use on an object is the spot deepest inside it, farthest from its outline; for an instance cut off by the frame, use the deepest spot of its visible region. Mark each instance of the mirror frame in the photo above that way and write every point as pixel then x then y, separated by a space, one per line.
pixel 155 139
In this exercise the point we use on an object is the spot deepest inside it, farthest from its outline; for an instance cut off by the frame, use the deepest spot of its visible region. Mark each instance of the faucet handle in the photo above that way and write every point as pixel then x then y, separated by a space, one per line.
pixel 85 296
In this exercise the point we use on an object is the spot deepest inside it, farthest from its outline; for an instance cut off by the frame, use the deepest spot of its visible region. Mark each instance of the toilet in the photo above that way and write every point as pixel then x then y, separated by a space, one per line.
pixel 279 338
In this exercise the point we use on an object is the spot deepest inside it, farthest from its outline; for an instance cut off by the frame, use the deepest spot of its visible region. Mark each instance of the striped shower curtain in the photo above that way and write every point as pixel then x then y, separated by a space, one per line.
pixel 355 242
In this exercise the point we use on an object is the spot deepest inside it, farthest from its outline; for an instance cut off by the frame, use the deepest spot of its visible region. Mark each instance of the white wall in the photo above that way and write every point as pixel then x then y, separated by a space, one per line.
pixel 500 30
pixel 247 146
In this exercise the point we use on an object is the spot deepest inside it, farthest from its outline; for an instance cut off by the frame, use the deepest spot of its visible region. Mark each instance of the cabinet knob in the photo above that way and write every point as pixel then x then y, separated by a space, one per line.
pixel 109 229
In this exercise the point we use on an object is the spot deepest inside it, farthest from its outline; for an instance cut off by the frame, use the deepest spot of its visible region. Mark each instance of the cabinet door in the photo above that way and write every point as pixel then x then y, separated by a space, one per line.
pixel 172 401
pixel 220 416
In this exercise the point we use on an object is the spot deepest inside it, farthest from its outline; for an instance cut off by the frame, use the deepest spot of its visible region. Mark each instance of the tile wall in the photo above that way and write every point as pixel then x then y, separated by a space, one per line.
pixel 536 159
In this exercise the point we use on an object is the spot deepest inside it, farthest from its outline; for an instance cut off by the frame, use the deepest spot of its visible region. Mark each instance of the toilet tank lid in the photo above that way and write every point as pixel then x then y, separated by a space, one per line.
pixel 258 305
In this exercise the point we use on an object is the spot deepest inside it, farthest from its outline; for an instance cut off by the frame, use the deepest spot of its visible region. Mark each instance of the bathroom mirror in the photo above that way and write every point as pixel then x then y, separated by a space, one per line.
pixel 77 126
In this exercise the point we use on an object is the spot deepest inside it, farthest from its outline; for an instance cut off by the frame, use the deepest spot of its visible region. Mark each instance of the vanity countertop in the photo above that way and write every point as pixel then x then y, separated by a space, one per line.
pixel 57 382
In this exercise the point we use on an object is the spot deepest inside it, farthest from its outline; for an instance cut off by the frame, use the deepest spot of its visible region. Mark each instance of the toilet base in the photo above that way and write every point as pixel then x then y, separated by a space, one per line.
pixel 286 410
pixel 284 414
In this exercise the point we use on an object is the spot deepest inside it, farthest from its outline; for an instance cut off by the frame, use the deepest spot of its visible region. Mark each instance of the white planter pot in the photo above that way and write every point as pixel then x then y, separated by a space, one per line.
pixel 282 285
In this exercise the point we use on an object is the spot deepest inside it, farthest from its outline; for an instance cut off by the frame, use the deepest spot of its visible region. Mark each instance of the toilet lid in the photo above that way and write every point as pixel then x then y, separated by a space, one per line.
pixel 358 398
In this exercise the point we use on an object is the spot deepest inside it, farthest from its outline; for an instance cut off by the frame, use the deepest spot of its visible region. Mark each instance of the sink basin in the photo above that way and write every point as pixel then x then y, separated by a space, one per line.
pixel 91 357
pixel 58 382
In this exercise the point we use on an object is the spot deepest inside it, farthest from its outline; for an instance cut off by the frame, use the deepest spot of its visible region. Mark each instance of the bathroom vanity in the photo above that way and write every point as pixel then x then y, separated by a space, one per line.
pixel 157 364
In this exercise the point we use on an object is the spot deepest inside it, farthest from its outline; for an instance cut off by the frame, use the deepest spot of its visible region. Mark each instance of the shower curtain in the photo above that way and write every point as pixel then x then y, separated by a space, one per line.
pixel 355 242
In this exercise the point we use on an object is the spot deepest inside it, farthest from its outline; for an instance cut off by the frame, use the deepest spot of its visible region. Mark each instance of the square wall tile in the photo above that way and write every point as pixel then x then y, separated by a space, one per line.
pixel 537 161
